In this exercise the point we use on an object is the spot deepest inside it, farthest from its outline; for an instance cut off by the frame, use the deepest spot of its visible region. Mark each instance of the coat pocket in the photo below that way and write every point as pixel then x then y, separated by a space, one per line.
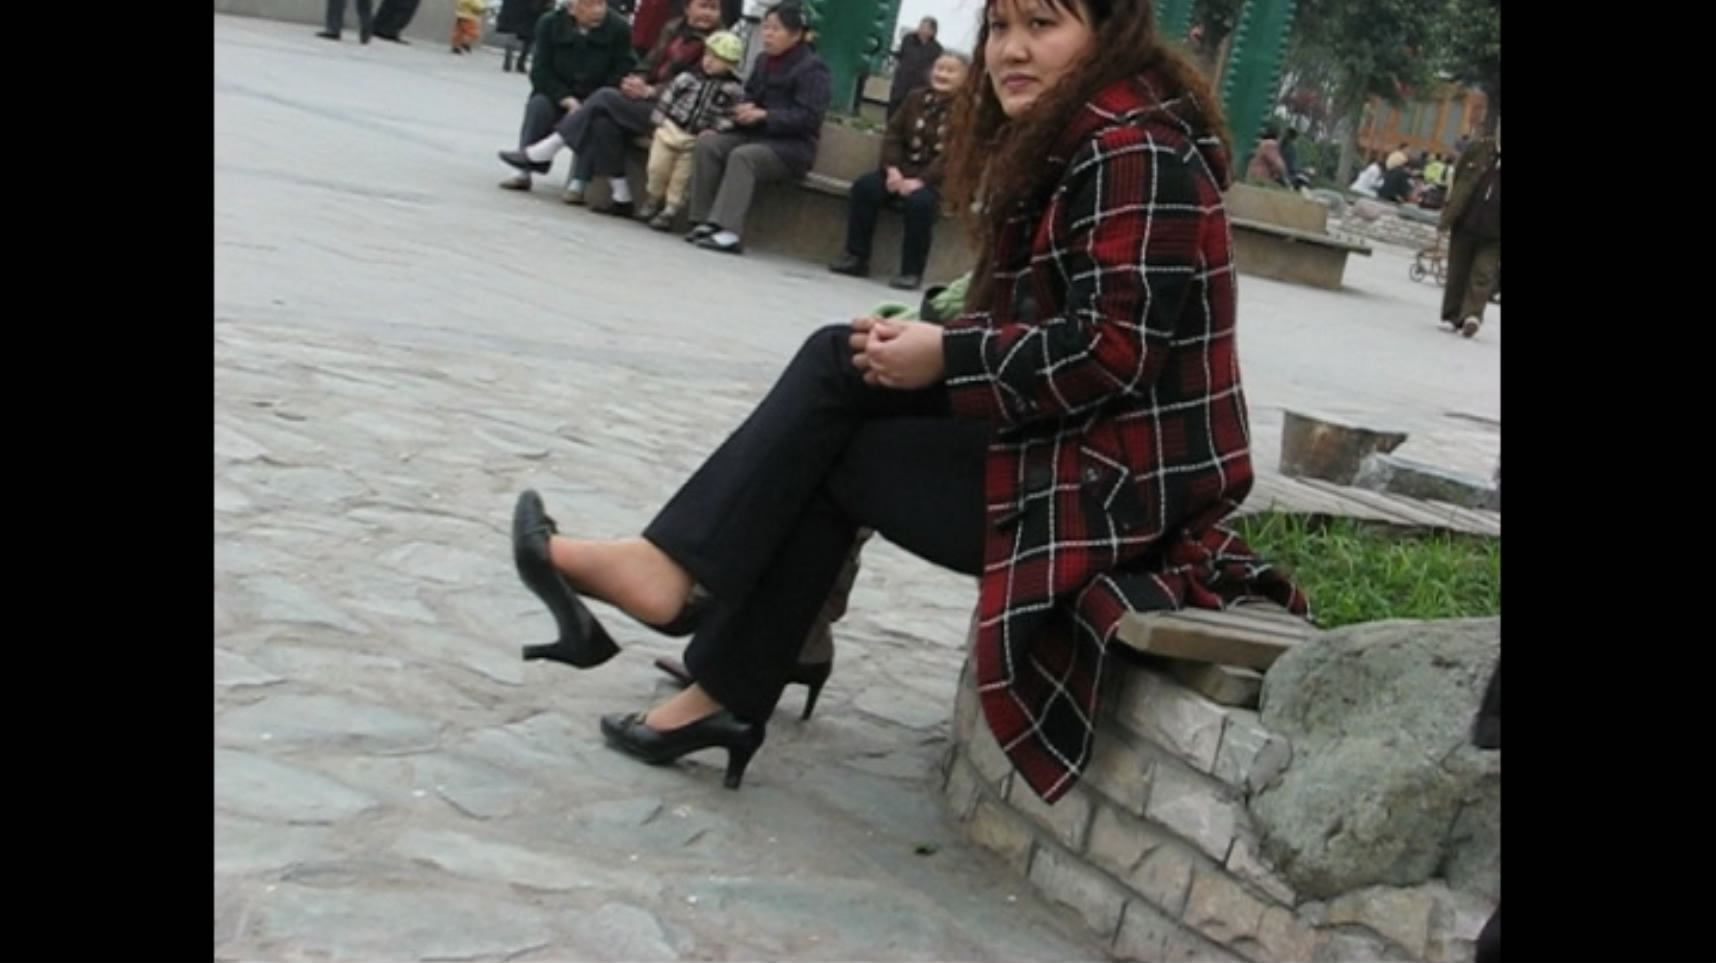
pixel 1108 486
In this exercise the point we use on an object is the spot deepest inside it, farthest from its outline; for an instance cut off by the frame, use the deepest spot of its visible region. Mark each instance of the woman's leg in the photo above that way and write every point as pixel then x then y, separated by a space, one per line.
pixel 747 167
pixel 922 208
pixel 709 161
pixel 918 481
pixel 862 205
pixel 726 522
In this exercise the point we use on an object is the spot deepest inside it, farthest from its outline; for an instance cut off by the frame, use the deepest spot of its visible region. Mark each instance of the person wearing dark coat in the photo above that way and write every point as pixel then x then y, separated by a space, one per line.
pixel 517 22
pixel 392 17
pixel 336 17
pixel 913 62
pixel 779 127
pixel 579 50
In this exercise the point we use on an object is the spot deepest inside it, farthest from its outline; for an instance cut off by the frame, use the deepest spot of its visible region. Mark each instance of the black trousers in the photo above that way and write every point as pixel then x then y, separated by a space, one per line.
pixel 869 193
pixel 337 16
pixel 393 16
pixel 766 523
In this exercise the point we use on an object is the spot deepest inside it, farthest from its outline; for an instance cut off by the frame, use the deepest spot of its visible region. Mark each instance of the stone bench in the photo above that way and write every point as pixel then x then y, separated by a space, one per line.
pixel 1292 255
pixel 1155 848
pixel 807 219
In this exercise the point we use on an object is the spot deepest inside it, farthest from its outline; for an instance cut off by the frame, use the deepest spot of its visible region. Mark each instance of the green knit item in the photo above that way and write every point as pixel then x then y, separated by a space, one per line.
pixel 948 302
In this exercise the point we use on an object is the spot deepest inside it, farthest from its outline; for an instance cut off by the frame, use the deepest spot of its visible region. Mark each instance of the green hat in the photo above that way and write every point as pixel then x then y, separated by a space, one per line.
pixel 726 46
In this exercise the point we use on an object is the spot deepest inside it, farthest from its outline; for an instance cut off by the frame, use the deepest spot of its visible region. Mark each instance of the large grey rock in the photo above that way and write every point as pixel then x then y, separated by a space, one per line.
pixel 1415 479
pixel 1384 787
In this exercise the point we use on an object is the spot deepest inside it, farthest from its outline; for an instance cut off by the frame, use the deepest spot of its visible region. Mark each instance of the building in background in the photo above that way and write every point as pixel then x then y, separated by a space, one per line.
pixel 1427 125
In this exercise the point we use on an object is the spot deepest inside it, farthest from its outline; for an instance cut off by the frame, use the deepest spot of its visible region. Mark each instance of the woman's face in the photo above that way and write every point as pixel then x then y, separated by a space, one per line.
pixel 1031 47
pixel 703 14
pixel 948 74
pixel 778 38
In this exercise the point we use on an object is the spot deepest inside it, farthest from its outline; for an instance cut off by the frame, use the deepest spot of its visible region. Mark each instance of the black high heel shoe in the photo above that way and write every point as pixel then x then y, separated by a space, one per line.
pixel 583 642
pixel 814 675
pixel 723 730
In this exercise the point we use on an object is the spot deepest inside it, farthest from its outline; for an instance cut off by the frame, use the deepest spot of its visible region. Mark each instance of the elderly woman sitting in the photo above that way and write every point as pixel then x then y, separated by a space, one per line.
pixel 778 130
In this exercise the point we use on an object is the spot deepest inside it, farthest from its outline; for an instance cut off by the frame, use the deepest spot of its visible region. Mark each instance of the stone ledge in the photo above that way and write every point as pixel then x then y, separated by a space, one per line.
pixel 1154 849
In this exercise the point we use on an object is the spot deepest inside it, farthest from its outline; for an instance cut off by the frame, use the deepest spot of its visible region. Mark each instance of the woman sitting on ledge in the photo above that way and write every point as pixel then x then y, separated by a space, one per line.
pixel 1074 438
pixel 912 157
pixel 778 130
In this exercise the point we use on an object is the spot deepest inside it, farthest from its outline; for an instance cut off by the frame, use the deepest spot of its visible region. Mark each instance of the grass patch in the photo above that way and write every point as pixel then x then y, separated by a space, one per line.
pixel 1360 572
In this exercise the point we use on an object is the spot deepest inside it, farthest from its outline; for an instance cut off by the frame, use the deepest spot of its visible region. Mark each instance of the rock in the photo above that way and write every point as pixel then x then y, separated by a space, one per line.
pixel 1415 479
pixel 254 786
pixel 890 703
pixel 233 671
pixel 282 600
pixel 305 922
pixel 1383 787
pixel 1321 448
pixel 246 846
pixel 1333 200
pixel 483 859
pixel 621 931
pixel 327 721
pixel 1366 209
pixel 474 787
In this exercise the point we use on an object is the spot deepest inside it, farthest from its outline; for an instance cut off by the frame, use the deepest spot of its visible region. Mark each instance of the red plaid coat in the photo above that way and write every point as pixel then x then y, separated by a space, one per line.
pixel 1108 366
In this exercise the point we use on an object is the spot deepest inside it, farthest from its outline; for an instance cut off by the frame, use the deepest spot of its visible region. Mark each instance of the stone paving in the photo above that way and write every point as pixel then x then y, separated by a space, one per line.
pixel 399 348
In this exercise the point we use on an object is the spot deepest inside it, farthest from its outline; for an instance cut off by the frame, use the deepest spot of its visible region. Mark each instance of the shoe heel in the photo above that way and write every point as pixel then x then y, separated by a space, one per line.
pixel 810 700
pixel 738 757
pixel 814 677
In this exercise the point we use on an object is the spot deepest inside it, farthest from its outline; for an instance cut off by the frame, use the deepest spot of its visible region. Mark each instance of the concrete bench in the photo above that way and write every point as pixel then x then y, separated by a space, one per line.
pixel 807 220
pixel 1289 254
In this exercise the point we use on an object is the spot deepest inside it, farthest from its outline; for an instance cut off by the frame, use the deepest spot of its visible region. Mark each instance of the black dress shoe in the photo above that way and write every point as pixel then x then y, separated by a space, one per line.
pixel 723 730
pixel 700 232
pixel 626 209
pixel 851 265
pixel 518 159
pixel 328 34
pixel 583 642
pixel 708 243
pixel 813 675
pixel 394 38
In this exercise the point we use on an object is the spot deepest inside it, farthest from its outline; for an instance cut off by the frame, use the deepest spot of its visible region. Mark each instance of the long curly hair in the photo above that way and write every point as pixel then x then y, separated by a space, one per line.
pixel 994 163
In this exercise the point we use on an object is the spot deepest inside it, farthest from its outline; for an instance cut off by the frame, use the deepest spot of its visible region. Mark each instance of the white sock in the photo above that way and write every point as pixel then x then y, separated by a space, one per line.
pixel 544 150
pixel 725 237
pixel 575 185
pixel 621 190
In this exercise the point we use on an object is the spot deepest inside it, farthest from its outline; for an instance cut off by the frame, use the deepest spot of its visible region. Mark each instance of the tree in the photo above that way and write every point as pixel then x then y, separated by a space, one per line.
pixel 1366 48
pixel 1467 41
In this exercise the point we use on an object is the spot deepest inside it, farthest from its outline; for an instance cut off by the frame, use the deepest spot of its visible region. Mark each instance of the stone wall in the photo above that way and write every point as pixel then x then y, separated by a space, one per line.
pixel 1383 223
pixel 1156 851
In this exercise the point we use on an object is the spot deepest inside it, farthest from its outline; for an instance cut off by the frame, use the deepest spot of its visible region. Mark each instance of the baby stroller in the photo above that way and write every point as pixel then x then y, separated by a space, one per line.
pixel 1430 262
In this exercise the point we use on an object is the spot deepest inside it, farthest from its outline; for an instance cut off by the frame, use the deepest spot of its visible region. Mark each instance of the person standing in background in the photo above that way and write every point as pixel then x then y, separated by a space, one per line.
pixel 393 16
pixel 336 20
pixel 912 63
pixel 517 21
pixel 1472 221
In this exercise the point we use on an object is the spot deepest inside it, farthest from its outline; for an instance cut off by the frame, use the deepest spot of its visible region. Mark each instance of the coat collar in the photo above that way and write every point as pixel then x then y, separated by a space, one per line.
pixel 1135 101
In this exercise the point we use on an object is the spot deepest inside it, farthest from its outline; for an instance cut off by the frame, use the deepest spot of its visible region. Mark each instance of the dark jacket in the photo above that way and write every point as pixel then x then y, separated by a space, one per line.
pixel 912 64
pixel 916 139
pixel 519 17
pixel 678 48
pixel 569 62
pixel 795 91
pixel 1479 159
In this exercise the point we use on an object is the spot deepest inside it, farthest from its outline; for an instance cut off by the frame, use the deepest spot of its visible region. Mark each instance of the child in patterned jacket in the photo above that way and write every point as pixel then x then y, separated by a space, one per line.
pixel 698 102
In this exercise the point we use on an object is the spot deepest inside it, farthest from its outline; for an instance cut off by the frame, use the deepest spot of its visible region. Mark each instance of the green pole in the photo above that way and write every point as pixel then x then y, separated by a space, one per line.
pixel 851 35
pixel 1250 82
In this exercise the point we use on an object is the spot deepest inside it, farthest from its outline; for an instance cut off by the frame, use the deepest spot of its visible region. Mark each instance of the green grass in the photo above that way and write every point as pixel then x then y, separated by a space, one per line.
pixel 1360 572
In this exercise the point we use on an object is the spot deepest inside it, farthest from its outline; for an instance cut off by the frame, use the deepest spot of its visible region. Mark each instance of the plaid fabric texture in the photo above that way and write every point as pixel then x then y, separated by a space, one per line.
pixel 1109 368
pixel 698 102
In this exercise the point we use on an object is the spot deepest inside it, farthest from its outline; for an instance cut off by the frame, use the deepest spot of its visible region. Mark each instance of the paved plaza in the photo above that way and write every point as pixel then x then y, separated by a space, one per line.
pixel 400 347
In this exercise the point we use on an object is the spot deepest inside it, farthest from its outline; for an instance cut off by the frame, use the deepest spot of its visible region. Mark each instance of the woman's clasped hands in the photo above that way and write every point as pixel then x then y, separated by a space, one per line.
pixel 897 354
